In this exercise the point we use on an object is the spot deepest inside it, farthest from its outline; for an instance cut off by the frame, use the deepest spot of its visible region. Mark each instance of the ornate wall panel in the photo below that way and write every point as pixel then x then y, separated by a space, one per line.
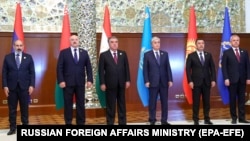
pixel 168 16
pixel 86 29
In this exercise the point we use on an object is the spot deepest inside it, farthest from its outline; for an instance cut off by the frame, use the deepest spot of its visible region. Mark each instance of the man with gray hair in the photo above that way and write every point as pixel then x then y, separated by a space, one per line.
pixel 158 79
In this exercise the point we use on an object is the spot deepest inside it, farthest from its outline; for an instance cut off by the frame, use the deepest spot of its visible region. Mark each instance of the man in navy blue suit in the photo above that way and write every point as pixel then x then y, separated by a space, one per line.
pixel 18 83
pixel 201 77
pixel 73 70
pixel 236 74
pixel 158 78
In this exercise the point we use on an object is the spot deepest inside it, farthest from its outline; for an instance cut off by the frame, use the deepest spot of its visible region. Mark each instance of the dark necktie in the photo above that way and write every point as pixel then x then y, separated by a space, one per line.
pixel 202 59
pixel 237 54
pixel 157 57
pixel 18 60
pixel 75 56
pixel 115 57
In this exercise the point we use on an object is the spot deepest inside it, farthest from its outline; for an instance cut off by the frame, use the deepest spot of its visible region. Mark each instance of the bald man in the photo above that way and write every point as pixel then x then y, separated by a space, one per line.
pixel 73 71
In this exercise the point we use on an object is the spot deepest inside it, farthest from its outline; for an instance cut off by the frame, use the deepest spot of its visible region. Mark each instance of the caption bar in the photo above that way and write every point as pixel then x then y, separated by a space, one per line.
pixel 175 131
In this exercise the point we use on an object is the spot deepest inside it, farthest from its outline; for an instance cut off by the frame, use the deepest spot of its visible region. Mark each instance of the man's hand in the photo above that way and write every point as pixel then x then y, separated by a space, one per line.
pixel 6 91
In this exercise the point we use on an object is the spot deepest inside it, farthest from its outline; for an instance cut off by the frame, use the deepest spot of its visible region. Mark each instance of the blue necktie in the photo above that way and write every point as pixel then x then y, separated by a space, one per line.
pixel 18 61
pixel 158 57
pixel 202 59
pixel 75 56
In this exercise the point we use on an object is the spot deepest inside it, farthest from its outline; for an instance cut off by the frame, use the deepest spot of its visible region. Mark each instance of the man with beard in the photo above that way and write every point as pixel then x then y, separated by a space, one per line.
pixel 18 83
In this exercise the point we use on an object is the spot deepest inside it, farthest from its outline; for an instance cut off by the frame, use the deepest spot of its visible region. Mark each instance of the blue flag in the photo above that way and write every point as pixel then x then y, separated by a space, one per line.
pixel 145 46
pixel 225 44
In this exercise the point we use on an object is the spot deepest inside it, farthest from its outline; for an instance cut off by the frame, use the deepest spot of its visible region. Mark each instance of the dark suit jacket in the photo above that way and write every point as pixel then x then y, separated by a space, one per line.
pixel 196 72
pixel 25 74
pixel 112 74
pixel 155 73
pixel 232 69
pixel 70 72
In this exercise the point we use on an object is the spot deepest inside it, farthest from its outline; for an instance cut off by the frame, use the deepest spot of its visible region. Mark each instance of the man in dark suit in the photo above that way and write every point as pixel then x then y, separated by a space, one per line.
pixel 236 73
pixel 201 77
pixel 158 78
pixel 114 79
pixel 72 68
pixel 18 83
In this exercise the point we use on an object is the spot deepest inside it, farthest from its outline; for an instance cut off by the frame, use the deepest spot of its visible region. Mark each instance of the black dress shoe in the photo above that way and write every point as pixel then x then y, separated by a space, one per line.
pixel 208 122
pixel 165 123
pixel 196 122
pixel 234 122
pixel 152 123
pixel 11 132
pixel 243 121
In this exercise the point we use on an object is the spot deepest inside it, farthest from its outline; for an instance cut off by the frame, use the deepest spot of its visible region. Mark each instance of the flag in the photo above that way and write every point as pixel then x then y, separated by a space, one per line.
pixel 192 36
pixel 64 43
pixel 18 26
pixel 18 33
pixel 225 44
pixel 106 33
pixel 145 46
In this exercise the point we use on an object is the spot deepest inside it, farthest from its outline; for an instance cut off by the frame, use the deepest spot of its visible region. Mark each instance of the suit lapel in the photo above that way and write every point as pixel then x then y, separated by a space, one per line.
pixel 161 56
pixel 233 53
pixel 206 58
pixel 70 53
pixel 153 55
pixel 198 57
pixel 110 56
pixel 72 57
pixel 14 60
pixel 80 54
pixel 22 59
pixel 118 57
pixel 241 53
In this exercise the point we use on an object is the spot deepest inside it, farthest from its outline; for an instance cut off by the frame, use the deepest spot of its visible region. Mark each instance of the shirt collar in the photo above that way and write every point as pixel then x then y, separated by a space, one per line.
pixel 235 48
pixel 198 52
pixel 112 52
pixel 20 53
pixel 156 51
pixel 73 49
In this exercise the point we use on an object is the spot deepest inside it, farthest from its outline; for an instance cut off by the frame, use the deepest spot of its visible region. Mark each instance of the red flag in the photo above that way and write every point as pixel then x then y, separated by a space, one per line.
pixel 18 26
pixel 64 43
pixel 106 22
pixel 18 33
pixel 192 36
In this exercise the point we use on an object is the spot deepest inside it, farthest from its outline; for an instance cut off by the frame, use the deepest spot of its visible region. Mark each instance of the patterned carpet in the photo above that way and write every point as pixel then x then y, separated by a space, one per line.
pixel 218 116
pixel 132 117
